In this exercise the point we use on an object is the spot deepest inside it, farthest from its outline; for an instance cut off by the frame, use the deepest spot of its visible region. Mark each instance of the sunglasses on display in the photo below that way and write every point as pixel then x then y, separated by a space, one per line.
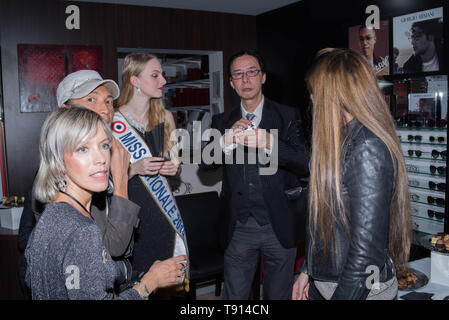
pixel 437 186
pixel 441 170
pixel 436 214
pixel 416 138
pixel 436 124
pixel 417 152
pixel 414 197
pixel 438 201
pixel 439 139
pixel 413 183
pixel 436 153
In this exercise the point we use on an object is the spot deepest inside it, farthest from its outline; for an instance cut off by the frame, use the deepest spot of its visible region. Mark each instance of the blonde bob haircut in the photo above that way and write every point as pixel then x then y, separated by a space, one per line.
pixel 62 131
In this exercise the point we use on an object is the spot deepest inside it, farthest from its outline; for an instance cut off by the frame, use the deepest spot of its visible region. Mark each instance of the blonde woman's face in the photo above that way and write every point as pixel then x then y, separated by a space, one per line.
pixel 151 80
pixel 87 167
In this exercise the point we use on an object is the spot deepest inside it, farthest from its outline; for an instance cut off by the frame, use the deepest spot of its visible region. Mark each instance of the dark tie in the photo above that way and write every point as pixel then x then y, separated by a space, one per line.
pixel 250 116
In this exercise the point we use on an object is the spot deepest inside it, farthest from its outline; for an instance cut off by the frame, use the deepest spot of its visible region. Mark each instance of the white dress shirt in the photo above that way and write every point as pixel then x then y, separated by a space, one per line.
pixel 256 121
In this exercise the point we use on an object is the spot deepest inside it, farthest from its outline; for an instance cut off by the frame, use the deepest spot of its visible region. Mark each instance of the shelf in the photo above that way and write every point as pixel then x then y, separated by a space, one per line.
pixel 424 158
pixel 421 128
pixel 428 204
pixel 203 83
pixel 189 108
pixel 426 144
pixel 429 219
pixel 427 189
pixel 428 174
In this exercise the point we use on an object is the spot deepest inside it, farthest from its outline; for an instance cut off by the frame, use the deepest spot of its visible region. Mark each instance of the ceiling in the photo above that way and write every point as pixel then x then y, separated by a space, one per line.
pixel 248 7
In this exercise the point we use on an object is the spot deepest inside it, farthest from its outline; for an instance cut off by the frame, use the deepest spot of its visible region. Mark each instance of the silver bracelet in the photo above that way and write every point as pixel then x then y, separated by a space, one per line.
pixel 147 293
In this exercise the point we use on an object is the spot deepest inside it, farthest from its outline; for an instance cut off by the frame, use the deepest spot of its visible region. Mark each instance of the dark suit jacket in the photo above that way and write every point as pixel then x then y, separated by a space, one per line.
pixel 287 216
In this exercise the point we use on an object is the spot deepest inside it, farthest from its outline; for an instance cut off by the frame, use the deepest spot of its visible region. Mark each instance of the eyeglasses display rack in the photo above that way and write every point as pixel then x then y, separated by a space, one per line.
pixel 421 127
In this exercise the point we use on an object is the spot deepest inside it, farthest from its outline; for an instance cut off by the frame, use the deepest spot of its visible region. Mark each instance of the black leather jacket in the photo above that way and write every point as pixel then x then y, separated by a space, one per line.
pixel 367 181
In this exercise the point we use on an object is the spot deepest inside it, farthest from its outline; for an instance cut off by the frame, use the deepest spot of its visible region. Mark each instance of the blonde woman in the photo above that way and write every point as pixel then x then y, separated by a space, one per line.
pixel 141 107
pixel 359 210
pixel 65 254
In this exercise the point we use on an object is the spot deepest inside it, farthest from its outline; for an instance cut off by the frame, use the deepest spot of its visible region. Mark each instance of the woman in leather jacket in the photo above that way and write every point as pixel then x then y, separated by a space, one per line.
pixel 359 224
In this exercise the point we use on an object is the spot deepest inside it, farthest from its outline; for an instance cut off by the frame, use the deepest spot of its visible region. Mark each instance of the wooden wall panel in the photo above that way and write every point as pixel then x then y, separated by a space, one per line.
pixel 109 25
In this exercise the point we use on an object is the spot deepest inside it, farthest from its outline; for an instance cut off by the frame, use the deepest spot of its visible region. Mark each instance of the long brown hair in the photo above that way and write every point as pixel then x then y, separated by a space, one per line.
pixel 340 81
pixel 133 65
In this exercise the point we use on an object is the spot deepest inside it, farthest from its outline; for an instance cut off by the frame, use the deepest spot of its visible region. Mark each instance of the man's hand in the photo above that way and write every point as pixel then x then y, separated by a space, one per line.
pixel 119 168
pixel 230 135
pixel 258 138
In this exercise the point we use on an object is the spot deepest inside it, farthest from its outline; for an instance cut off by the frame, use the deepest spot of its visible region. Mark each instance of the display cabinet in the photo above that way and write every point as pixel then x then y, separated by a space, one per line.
pixel 422 130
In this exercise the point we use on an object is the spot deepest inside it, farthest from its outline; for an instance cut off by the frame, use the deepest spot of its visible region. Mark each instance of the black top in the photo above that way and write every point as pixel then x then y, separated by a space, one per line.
pixel 154 239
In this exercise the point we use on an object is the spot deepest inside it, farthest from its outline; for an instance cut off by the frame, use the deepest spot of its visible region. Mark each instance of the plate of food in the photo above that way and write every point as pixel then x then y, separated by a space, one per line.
pixel 411 279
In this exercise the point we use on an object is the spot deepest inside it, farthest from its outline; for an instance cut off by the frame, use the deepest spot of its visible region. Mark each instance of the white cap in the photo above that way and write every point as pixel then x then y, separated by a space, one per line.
pixel 80 83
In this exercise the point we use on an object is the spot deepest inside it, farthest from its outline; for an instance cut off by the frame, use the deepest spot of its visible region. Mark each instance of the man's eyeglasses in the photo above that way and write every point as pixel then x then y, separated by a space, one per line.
pixel 249 73
pixel 434 186
pixel 436 153
pixel 438 215
pixel 439 139
pixel 441 170
pixel 438 201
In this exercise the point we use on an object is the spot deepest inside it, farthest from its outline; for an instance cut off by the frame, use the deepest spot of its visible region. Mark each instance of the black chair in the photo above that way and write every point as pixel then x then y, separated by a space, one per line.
pixel 203 222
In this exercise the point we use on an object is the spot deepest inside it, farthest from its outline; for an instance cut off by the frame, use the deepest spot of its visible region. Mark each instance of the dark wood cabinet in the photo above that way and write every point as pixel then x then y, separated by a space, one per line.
pixel 9 266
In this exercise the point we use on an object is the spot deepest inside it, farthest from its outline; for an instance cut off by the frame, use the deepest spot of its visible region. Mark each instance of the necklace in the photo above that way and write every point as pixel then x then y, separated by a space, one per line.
pixel 74 199
pixel 139 126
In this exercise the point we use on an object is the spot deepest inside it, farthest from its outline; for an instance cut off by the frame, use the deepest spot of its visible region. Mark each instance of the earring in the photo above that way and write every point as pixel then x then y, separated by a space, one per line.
pixel 62 185
pixel 139 92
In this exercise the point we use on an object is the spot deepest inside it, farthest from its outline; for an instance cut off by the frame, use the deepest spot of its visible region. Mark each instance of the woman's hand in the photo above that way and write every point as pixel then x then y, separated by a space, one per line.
pixel 119 168
pixel 164 273
pixel 301 288
pixel 146 167
pixel 169 168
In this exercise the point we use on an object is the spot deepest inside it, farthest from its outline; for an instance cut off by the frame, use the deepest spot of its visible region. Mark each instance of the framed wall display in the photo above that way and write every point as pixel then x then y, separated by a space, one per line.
pixel 418 42
pixel 42 67
pixel 373 44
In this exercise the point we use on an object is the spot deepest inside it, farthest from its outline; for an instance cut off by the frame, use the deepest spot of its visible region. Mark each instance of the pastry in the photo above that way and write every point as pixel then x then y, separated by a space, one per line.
pixel 434 239
pixel 440 245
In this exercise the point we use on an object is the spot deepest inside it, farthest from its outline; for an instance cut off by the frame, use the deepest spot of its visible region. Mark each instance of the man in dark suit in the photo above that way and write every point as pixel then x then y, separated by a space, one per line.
pixel 262 221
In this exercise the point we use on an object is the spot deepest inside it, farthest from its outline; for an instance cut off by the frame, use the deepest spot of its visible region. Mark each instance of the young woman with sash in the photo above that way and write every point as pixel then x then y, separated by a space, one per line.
pixel 160 234
pixel 66 256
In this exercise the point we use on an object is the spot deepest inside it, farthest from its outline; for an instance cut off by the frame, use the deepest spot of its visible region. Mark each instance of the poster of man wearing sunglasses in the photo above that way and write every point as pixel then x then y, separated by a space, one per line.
pixel 419 40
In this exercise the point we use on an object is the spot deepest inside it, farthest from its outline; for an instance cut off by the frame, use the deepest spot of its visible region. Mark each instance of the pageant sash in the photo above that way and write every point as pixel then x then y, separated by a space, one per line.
pixel 157 186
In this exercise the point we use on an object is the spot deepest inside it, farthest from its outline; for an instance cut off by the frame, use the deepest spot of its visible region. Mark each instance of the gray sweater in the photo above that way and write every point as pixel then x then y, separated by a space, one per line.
pixel 67 259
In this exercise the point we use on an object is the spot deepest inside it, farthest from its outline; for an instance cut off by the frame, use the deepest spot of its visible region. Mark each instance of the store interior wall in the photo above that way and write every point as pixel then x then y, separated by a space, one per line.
pixel 111 26
pixel 287 37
